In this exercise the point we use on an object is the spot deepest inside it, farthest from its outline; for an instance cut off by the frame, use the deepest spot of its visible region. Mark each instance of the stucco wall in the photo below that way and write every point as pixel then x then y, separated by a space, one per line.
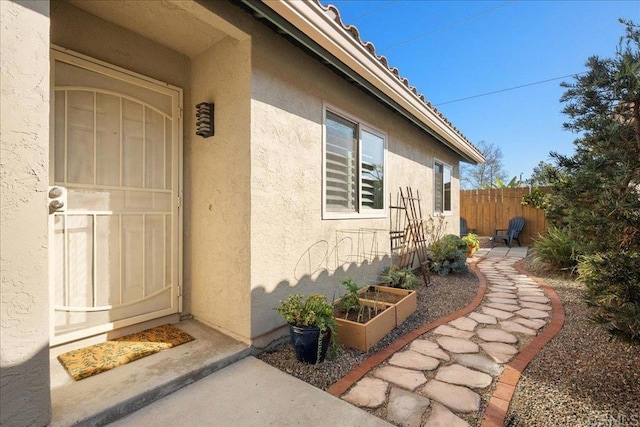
pixel 24 306
pixel 291 245
pixel 217 253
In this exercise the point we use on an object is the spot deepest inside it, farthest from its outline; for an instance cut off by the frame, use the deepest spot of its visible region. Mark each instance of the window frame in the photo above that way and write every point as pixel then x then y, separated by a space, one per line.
pixel 445 166
pixel 360 213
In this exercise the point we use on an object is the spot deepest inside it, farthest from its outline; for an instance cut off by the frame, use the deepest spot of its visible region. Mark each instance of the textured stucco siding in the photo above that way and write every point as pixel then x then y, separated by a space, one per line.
pixel 24 296
pixel 292 248
pixel 217 255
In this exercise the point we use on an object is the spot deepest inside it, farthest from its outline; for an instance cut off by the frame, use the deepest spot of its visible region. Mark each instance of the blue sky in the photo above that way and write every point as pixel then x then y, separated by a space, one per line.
pixel 459 49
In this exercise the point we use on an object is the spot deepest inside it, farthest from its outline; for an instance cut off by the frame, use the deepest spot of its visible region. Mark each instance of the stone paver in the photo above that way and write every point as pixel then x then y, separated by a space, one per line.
pixel 461 375
pixel 479 362
pixel 367 393
pixel 530 293
pixel 429 348
pixel 405 378
pixel 500 352
pixel 500 314
pixel 540 300
pixel 414 360
pixel 452 332
pixel 502 295
pixel 496 335
pixel 537 306
pixel 483 318
pixel 504 301
pixel 442 417
pixel 455 397
pixel 465 323
pixel 531 323
pixel 510 326
pixel 457 345
pixel 532 313
pixel 405 408
pixel 504 307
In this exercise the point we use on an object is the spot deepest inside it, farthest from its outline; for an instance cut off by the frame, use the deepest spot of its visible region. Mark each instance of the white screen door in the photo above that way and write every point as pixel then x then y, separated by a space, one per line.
pixel 115 168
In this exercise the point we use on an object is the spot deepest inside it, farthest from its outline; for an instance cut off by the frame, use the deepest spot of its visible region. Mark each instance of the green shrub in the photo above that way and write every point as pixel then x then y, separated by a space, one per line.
pixel 613 290
pixel 350 301
pixel 448 255
pixel 557 249
pixel 399 278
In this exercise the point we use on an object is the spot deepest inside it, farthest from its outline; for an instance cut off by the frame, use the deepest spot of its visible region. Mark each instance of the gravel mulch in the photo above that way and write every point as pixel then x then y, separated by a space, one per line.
pixel 443 296
pixel 581 377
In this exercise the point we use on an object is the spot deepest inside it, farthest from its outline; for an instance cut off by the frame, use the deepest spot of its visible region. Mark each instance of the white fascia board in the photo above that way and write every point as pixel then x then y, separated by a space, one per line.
pixel 314 22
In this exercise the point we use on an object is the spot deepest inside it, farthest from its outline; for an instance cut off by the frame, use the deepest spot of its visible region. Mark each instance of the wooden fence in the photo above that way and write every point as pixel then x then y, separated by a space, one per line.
pixel 486 210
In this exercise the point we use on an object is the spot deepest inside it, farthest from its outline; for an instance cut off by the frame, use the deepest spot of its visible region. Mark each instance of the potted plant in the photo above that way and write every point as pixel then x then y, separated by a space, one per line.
pixel 473 244
pixel 312 326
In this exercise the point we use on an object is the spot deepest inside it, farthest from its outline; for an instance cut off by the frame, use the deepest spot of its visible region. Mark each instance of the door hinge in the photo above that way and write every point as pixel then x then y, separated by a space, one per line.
pixel 179 201
pixel 180 110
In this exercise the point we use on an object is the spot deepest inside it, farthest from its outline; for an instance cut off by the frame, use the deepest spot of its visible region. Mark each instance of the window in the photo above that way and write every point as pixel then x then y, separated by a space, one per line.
pixel 442 188
pixel 354 159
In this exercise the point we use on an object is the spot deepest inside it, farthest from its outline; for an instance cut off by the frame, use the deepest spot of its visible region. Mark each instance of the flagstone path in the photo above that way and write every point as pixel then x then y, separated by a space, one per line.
pixel 437 377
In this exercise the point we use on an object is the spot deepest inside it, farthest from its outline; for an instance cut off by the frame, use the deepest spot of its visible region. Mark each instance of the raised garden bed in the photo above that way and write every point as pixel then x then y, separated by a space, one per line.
pixel 362 329
pixel 405 301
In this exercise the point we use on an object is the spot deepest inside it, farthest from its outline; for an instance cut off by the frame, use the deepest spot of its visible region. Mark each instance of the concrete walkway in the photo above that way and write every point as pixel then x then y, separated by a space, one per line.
pixel 431 376
pixel 250 393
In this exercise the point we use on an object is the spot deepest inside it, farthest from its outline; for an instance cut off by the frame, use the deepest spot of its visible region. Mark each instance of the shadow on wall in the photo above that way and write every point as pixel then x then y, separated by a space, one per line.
pixel 321 269
pixel 25 391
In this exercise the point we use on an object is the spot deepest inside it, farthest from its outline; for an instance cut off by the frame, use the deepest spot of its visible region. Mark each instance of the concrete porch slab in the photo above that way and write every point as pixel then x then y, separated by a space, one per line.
pixel 111 395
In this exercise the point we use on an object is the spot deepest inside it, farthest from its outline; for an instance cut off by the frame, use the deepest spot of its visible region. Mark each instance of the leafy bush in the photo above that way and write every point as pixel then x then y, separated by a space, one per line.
pixel 448 255
pixel 351 300
pixel 536 198
pixel 557 249
pixel 613 289
pixel 400 278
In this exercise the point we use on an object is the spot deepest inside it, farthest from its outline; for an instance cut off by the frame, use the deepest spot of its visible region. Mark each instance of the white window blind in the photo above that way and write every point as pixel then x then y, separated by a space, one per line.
pixel 442 187
pixel 354 167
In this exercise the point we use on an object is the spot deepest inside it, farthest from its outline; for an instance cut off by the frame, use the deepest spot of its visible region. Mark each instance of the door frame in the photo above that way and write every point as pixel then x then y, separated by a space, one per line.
pixel 113 71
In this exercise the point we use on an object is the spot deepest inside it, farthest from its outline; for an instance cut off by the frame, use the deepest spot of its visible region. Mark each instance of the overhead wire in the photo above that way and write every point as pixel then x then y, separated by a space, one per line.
pixel 444 27
pixel 508 89
pixel 468 18
pixel 375 9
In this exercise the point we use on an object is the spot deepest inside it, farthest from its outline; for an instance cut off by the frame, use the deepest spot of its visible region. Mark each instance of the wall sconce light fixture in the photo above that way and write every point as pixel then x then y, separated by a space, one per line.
pixel 204 119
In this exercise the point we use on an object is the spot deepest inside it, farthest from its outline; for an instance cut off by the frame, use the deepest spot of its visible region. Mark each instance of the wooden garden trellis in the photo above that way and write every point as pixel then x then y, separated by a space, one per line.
pixel 407 234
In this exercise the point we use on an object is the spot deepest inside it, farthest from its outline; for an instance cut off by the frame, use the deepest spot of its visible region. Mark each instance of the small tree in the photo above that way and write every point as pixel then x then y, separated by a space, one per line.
pixel 595 193
pixel 485 175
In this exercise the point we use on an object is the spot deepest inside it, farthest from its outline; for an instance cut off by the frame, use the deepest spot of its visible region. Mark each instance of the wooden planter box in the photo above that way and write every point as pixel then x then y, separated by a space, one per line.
pixel 404 307
pixel 363 336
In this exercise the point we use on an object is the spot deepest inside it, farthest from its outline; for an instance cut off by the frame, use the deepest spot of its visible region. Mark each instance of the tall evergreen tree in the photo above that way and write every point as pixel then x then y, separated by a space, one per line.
pixel 596 191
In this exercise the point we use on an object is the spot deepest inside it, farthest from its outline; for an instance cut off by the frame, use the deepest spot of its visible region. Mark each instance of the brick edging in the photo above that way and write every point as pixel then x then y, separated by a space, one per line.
pixel 342 385
pixel 496 411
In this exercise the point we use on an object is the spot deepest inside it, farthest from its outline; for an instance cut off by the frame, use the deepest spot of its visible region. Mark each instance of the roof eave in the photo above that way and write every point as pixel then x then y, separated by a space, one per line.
pixel 342 50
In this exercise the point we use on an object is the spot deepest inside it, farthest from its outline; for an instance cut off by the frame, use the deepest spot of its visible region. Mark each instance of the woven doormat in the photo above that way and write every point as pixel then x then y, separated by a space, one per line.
pixel 92 360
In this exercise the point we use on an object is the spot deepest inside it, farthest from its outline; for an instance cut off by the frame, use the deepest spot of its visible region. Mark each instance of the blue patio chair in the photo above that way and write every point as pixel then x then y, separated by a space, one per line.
pixel 464 230
pixel 509 234
pixel 463 227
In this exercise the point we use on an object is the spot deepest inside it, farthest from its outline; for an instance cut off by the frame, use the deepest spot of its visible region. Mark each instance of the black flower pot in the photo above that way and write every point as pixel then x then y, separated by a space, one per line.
pixel 305 343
